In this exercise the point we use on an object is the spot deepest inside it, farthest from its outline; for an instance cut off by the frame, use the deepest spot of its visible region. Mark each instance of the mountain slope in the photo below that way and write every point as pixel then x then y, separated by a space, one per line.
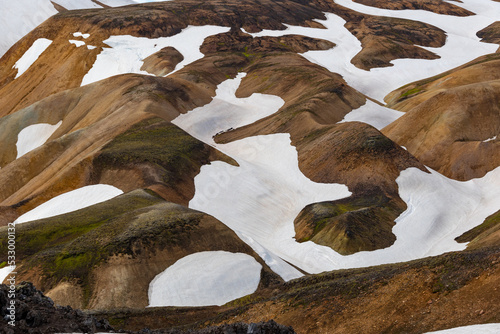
pixel 222 156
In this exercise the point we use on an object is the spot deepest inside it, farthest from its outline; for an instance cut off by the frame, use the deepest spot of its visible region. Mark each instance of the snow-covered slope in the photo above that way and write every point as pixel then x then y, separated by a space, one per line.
pixel 127 53
pixel 71 201
pixel 34 136
pixel 260 198
pixel 476 329
pixel 206 278
pixel 20 17
pixel 462 45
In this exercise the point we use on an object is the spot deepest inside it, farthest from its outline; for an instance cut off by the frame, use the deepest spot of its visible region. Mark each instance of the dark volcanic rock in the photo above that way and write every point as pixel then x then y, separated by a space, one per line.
pixel 36 313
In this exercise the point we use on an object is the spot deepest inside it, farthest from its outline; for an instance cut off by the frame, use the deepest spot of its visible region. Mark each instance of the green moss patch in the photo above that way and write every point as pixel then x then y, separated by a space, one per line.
pixel 171 150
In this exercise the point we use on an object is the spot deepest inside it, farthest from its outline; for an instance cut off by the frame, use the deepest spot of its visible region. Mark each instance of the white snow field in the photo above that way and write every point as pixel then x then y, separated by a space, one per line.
pixel 260 199
pixel 19 18
pixel 71 201
pixel 31 55
pixel 127 53
pixel 34 136
pixel 204 279
pixel 462 45
pixel 79 34
pixel 473 329
pixel 77 43
pixel 373 114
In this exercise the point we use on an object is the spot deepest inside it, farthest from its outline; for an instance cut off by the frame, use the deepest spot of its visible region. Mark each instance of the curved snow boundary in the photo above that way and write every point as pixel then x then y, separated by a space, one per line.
pixel 127 53
pixel 31 55
pixel 204 279
pixel 373 114
pixel 71 201
pixel 5 271
pixel 476 329
pixel 34 136
pixel 19 18
pixel 226 111
pixel 260 199
pixel 462 45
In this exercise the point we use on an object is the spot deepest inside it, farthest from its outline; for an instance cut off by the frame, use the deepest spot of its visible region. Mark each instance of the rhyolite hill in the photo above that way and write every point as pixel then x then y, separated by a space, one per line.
pixel 331 165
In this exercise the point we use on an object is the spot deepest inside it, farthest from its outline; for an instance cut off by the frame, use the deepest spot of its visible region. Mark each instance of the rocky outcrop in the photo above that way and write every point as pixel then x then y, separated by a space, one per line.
pixel 37 314
pixel 350 225
pixel 238 41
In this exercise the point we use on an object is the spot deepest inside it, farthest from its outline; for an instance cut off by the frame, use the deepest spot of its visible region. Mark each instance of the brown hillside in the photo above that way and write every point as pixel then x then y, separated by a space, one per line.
pixel 450 290
pixel 63 65
pixel 105 256
pixel 68 160
pixel 450 118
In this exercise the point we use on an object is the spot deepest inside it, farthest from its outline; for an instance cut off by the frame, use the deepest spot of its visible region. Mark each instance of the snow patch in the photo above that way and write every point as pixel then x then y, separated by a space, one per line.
pixel 19 18
pixel 127 53
pixel 490 139
pixel 77 43
pixel 91 47
pixel 227 111
pixel 79 34
pixel 373 114
pixel 34 136
pixel 71 201
pixel 205 278
pixel 77 4
pixel 476 329
pixel 30 56
pixel 5 271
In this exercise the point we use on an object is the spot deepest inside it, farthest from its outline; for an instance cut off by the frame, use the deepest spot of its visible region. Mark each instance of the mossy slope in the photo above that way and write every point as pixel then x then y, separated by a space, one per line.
pixel 138 232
